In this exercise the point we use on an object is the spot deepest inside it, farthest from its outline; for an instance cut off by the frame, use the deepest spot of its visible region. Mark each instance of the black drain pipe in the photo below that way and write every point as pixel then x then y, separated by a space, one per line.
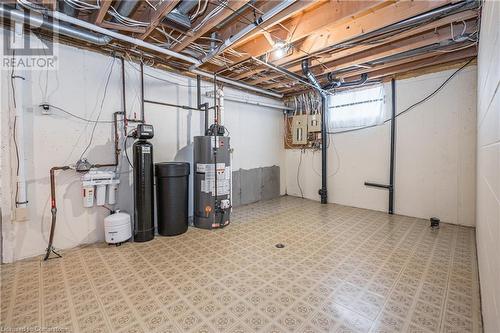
pixel 324 108
pixel 390 187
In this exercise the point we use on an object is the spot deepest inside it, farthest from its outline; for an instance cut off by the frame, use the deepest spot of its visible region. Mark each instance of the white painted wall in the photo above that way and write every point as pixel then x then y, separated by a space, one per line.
pixel 57 139
pixel 488 165
pixel 435 155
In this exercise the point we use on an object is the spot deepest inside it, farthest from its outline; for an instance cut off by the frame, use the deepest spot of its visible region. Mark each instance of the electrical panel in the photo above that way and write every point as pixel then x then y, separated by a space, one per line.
pixel 314 123
pixel 299 130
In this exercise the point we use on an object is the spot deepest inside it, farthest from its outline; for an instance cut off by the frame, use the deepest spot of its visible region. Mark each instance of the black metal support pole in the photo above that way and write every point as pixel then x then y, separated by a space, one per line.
pixel 142 91
pixel 393 148
pixel 324 140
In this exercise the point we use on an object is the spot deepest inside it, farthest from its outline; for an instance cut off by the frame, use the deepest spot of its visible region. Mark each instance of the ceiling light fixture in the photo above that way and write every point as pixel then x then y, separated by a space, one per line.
pixel 280 48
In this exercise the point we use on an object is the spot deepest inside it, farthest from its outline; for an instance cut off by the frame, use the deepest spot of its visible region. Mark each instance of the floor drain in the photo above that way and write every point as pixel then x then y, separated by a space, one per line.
pixel 280 246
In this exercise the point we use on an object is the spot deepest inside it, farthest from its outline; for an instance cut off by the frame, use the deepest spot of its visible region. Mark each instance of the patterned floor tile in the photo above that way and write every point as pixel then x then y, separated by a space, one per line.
pixel 345 270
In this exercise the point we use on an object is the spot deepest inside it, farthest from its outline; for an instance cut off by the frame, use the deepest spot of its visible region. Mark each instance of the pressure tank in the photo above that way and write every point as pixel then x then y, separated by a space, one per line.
pixel 212 165
pixel 143 191
pixel 117 228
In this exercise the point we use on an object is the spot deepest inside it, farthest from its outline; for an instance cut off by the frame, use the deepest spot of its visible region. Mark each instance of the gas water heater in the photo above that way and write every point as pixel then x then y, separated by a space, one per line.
pixel 212 181
pixel 143 184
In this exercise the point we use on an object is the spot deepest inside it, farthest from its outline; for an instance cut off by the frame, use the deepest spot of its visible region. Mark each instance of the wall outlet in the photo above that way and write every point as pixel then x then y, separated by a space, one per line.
pixel 45 107
pixel 22 214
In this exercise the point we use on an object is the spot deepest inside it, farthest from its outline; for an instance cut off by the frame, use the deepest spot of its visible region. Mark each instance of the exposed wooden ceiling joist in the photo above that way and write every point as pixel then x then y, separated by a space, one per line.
pixel 331 33
pixel 434 38
pixel 437 62
pixel 326 15
pixel 318 63
pixel 101 14
pixel 436 59
pixel 228 10
pixel 373 21
pixel 158 16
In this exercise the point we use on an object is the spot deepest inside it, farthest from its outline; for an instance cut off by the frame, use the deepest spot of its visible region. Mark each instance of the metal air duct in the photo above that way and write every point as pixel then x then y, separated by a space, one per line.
pixel 38 21
pixel 126 7
pixel 179 16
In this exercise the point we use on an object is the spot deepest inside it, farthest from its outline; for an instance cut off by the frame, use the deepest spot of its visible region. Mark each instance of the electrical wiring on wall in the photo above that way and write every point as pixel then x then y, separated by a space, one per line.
pixel 411 106
pixel 74 115
pixel 101 108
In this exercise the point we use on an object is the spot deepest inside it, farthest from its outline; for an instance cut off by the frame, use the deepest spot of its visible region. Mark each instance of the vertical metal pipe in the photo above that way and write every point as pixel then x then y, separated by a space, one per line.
pixel 216 120
pixel 393 148
pixel 142 92
pixel 124 97
pixel 206 118
pixel 323 192
pixel 324 142
pixel 53 210
pixel 198 91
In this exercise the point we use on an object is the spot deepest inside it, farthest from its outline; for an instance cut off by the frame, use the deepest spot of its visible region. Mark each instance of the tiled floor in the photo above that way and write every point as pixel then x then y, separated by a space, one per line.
pixel 342 269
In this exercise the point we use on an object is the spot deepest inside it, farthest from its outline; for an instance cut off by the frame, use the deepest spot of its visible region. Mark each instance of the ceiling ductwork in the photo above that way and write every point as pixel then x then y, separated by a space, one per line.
pixel 64 7
pixel 41 22
pixel 179 17
pixel 126 7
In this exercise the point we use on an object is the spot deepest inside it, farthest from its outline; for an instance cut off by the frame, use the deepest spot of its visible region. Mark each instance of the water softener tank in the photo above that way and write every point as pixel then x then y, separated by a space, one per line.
pixel 143 185
pixel 212 205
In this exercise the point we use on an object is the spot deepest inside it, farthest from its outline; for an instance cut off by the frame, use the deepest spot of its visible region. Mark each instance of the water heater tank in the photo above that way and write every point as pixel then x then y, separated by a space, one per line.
pixel 117 228
pixel 212 165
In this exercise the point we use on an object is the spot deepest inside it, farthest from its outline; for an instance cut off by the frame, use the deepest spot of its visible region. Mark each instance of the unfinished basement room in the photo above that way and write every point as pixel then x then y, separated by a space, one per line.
pixel 230 166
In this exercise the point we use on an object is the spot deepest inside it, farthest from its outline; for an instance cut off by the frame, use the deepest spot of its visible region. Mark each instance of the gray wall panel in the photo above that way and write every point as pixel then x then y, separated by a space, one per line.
pixel 236 188
pixel 270 182
pixel 251 185
pixel 255 185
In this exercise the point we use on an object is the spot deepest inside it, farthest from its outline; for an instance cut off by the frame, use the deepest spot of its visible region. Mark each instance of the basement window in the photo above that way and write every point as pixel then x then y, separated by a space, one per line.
pixel 357 108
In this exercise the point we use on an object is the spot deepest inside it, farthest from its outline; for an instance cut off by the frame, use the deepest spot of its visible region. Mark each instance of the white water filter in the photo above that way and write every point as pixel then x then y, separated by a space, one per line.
pixel 112 189
pixel 100 195
pixel 88 196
